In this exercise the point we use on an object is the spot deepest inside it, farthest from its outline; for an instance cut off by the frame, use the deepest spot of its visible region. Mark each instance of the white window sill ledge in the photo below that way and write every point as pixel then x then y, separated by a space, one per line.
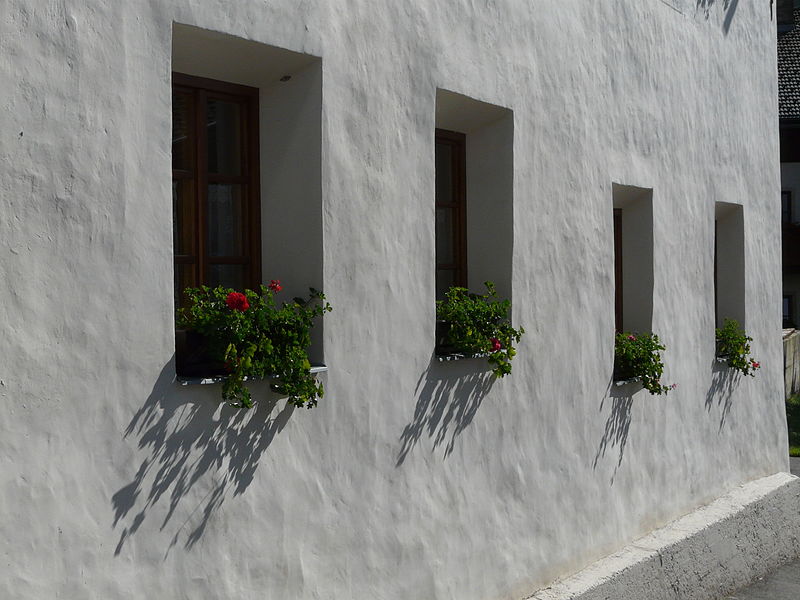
pixel 220 378
pixel 459 356
pixel 621 382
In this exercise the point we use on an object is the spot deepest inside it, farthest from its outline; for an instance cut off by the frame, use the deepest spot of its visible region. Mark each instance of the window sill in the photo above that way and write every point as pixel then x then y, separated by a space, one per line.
pixel 721 359
pixel 214 379
pixel 451 356
pixel 621 382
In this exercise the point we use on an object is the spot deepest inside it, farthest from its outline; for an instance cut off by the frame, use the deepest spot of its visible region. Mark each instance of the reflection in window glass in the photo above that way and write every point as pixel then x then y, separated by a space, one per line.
pixel 231 276
pixel 224 137
pixel 225 220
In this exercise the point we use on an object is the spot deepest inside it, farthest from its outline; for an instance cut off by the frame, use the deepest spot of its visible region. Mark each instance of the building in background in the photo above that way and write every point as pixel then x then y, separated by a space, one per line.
pixel 789 111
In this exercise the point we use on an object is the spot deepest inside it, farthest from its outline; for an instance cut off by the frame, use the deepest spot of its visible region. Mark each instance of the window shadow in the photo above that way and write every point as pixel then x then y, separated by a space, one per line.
pixel 723 381
pixel 449 395
pixel 191 440
pixel 728 7
pixel 618 423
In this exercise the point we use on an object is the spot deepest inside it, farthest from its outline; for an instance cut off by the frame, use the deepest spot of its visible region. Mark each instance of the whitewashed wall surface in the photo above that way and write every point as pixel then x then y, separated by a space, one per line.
pixel 412 478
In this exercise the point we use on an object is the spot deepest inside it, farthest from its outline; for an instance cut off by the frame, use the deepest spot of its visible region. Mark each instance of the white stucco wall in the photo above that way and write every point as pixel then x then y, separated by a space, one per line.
pixel 411 479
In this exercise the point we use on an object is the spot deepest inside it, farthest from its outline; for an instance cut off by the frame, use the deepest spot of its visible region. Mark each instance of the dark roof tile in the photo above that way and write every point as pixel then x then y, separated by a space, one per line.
pixel 789 71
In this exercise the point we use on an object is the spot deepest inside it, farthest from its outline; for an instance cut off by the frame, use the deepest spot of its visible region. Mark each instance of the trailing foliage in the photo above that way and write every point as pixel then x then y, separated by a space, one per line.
pixel 639 356
pixel 733 344
pixel 257 339
pixel 793 421
pixel 479 324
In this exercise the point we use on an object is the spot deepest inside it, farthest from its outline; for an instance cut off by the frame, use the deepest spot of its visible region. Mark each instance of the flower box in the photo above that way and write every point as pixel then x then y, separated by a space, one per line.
pixel 637 358
pixel 476 325
pixel 733 348
pixel 232 337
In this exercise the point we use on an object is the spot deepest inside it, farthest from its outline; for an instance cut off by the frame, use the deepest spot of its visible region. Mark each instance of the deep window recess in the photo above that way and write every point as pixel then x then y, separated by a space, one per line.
pixel 451 232
pixel 474 167
pixel 633 258
pixel 788 314
pixel 215 184
pixel 729 263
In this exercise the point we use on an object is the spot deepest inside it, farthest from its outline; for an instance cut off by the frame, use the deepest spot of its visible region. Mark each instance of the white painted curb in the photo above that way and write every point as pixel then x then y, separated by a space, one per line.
pixel 706 554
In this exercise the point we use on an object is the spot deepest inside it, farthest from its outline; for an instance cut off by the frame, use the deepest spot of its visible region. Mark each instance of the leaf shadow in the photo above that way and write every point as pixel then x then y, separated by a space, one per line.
pixel 191 440
pixel 723 381
pixel 618 422
pixel 727 6
pixel 449 395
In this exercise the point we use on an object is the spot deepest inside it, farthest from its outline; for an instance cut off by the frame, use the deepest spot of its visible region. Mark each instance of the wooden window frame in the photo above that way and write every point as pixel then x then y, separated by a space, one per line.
pixel 201 89
pixel 618 286
pixel 458 144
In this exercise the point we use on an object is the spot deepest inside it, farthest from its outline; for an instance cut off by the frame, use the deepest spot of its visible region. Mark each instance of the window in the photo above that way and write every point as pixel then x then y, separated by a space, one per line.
pixel 729 263
pixel 451 231
pixel 474 153
pixel 247 166
pixel 788 313
pixel 786 207
pixel 633 258
pixel 215 191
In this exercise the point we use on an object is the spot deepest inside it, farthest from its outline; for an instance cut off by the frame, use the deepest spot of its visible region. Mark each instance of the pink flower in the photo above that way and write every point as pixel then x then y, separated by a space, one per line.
pixel 673 386
pixel 496 345
pixel 756 364
pixel 237 301
pixel 275 285
pixel 632 338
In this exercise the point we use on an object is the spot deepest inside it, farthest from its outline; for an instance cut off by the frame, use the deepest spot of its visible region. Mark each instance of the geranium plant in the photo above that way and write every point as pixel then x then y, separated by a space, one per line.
pixel 478 324
pixel 733 344
pixel 256 338
pixel 638 356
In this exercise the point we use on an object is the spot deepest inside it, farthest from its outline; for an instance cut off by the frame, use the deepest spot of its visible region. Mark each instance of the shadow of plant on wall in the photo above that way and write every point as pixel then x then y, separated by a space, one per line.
pixel 448 397
pixel 723 381
pixel 727 6
pixel 192 442
pixel 618 423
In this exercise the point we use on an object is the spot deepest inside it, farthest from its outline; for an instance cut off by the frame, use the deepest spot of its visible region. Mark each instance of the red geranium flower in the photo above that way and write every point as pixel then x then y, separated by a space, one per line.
pixel 496 345
pixel 632 338
pixel 237 301
pixel 275 285
pixel 756 364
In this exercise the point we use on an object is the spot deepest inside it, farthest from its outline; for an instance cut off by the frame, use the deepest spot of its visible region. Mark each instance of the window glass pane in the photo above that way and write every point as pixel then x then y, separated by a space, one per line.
pixel 224 137
pixel 445 279
pixel 444 173
pixel 225 220
pixel 445 236
pixel 184 278
pixel 182 142
pixel 183 223
pixel 231 276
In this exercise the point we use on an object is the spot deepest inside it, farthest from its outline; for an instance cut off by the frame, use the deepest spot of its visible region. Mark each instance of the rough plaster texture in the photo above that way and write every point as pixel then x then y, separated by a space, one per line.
pixel 412 479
